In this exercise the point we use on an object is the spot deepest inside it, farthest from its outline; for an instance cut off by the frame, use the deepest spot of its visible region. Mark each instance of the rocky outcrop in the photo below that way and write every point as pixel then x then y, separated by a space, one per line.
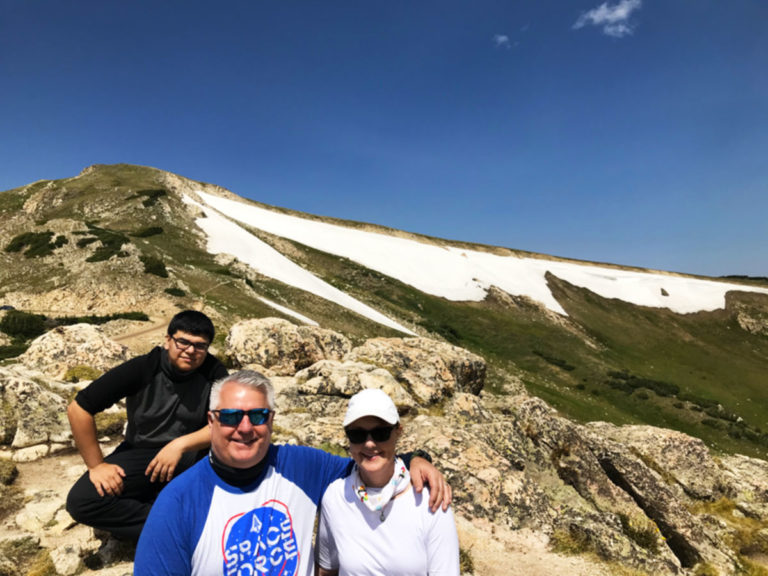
pixel 430 370
pixel 65 347
pixel 33 417
pixel 647 500
pixel 752 324
pixel 333 378
pixel 277 347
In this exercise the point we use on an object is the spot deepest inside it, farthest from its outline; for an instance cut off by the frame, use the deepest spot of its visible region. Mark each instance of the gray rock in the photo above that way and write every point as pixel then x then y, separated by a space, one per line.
pixel 430 370
pixel 344 379
pixel 31 414
pixel 65 347
pixel 630 495
pixel 278 347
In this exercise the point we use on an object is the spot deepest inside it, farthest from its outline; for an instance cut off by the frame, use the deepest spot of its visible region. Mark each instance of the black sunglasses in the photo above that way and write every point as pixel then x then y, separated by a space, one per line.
pixel 233 417
pixel 360 435
pixel 183 344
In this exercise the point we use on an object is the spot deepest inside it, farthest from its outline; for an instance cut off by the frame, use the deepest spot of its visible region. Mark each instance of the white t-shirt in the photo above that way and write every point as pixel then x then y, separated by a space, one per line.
pixel 411 541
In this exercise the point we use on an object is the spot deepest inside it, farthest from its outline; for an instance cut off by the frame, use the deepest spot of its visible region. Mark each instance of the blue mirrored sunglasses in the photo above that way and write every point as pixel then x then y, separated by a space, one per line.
pixel 233 417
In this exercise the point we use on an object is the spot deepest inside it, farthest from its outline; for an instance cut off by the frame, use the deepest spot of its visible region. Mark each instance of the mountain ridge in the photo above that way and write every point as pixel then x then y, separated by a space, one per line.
pixel 571 361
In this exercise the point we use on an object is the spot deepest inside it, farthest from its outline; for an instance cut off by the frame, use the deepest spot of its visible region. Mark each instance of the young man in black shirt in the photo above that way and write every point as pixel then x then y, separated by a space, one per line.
pixel 166 394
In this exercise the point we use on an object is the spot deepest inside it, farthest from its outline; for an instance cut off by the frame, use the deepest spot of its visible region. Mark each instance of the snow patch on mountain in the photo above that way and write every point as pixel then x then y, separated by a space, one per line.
pixel 226 237
pixel 458 274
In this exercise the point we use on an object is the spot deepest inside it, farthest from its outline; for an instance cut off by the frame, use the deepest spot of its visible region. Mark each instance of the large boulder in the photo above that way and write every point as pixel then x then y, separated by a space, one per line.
pixel 333 378
pixel 685 460
pixel 65 347
pixel 429 369
pixel 638 493
pixel 31 414
pixel 745 481
pixel 277 347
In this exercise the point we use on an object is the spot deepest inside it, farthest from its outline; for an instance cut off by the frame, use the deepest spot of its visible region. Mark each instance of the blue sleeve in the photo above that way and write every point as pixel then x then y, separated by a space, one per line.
pixel 310 469
pixel 170 535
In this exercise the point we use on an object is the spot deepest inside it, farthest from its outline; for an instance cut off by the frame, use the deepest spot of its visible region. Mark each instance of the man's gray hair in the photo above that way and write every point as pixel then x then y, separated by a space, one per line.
pixel 247 378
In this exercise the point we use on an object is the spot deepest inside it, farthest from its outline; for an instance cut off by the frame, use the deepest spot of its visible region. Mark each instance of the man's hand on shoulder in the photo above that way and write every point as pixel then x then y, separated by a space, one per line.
pixel 107 478
pixel 423 472
pixel 163 465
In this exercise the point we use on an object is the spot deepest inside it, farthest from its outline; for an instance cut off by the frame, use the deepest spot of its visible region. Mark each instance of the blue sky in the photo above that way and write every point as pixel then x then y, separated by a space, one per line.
pixel 632 132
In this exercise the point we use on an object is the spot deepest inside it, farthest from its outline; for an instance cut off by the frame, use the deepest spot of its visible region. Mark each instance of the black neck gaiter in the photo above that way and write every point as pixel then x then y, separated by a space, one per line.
pixel 236 476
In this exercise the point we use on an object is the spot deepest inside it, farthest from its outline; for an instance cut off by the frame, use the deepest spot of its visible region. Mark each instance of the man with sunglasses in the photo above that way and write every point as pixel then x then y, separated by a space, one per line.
pixel 250 507
pixel 166 393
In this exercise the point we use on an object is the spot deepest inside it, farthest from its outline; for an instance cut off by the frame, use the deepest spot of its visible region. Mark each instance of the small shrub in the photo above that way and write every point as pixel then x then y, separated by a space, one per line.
pixel 445 330
pixel 466 565
pixel 37 244
pixel 81 372
pixel 642 532
pixel 621 385
pixel 11 500
pixel 111 243
pixel 21 551
pixel 154 266
pixel 705 569
pixel 98 320
pixel 8 417
pixel 22 325
pixel 147 232
pixel 151 196
pixel 8 472
pixel 555 361
pixel 42 565
pixel 176 292
pixel 625 381
pixel 12 350
pixel 83 242
pixel 698 400
pixel 713 423
pixel 571 541
pixel 110 423
pixel 750 568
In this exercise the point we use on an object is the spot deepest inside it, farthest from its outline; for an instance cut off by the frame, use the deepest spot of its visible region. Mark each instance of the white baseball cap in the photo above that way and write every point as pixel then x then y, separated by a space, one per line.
pixel 371 402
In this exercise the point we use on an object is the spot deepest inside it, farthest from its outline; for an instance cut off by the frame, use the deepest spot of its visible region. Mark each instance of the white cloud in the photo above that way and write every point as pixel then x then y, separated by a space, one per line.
pixel 613 19
pixel 501 41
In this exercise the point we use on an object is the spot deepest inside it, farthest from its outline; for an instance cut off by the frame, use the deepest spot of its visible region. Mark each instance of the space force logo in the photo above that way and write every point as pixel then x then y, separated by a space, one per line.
pixel 261 543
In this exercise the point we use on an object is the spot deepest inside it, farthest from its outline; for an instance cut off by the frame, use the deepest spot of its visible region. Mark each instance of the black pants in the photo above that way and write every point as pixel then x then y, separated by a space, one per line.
pixel 123 515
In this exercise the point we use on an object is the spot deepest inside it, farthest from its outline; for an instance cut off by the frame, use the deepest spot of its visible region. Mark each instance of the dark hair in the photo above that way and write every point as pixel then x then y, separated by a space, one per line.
pixel 192 322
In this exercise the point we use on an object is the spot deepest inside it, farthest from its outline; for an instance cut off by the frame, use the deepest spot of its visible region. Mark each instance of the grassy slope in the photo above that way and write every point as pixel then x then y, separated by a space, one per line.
pixel 706 356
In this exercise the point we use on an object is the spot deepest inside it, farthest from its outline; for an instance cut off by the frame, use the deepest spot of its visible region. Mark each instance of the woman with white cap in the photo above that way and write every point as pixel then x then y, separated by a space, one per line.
pixel 372 522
